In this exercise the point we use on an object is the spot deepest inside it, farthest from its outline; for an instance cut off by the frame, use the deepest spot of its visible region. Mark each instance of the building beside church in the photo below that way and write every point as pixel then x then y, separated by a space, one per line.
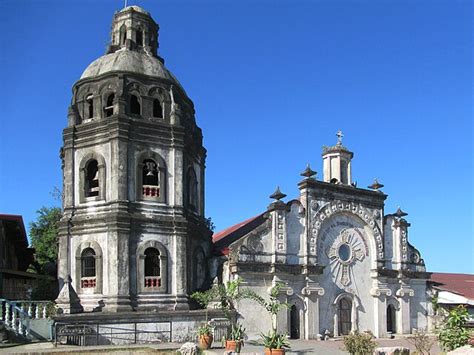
pixel 345 263
pixel 133 234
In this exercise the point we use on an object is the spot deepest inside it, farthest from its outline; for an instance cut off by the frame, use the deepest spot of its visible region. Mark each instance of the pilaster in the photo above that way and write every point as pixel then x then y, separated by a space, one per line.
pixel 404 294
pixel 312 293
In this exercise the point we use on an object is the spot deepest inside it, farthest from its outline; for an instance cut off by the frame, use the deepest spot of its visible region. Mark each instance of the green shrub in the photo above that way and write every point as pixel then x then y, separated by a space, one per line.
pixel 452 333
pixel 359 343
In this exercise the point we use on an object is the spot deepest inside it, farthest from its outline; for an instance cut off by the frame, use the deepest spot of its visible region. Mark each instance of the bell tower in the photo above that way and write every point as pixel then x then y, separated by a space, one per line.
pixel 337 163
pixel 133 234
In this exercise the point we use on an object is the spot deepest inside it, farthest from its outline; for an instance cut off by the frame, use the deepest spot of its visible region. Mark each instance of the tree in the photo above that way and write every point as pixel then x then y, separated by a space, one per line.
pixel 44 234
pixel 453 333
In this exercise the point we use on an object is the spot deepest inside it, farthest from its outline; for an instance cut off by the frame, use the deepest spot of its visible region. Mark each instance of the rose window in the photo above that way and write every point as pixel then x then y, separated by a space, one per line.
pixel 346 250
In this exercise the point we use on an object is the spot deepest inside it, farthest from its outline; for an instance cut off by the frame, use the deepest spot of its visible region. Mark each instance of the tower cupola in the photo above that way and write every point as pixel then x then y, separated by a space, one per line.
pixel 133 28
pixel 337 163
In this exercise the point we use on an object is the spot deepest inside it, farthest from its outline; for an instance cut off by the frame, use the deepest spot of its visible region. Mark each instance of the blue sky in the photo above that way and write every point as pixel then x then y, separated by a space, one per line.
pixel 272 81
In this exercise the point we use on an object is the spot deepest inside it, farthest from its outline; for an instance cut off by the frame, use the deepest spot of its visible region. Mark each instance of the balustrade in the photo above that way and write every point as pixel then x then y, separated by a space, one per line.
pixel 152 281
pixel 17 315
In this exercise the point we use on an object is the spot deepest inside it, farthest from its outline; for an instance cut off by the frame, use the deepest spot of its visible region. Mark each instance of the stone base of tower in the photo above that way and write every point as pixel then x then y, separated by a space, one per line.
pixel 161 302
pixel 100 328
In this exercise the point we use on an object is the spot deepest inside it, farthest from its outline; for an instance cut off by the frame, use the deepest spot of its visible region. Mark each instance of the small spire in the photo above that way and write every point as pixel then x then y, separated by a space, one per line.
pixel 308 173
pixel 277 195
pixel 400 213
pixel 339 137
pixel 376 185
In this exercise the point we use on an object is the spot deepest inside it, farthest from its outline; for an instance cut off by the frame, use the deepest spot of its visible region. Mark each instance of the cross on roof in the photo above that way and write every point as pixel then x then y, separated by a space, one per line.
pixel 339 137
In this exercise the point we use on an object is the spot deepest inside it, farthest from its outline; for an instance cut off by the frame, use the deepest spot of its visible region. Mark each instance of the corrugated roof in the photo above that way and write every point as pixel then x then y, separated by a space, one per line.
pixel 462 284
pixel 229 235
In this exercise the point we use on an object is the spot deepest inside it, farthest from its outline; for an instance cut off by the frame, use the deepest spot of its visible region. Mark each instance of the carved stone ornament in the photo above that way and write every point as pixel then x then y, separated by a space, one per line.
pixel 347 249
pixel 358 210
pixel 313 290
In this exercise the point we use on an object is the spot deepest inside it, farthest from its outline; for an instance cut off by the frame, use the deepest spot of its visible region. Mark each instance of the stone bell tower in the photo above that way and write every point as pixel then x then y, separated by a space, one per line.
pixel 337 163
pixel 133 234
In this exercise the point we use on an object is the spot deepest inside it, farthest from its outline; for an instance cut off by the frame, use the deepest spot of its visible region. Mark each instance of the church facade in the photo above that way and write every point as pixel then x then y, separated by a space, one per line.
pixel 133 234
pixel 345 264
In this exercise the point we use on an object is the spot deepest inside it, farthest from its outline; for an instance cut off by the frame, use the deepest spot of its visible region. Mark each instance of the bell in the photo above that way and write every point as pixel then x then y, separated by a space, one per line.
pixel 150 167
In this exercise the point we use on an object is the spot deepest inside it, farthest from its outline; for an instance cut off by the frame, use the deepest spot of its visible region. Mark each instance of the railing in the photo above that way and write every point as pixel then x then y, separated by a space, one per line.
pixel 152 281
pixel 86 334
pixel 220 328
pixel 17 315
pixel 151 191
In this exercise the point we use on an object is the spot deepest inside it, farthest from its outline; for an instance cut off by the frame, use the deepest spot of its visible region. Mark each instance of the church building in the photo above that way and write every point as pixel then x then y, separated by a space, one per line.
pixel 134 237
pixel 345 264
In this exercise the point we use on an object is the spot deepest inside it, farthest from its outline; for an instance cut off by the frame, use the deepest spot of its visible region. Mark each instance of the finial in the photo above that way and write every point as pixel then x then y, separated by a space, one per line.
pixel 339 137
pixel 400 213
pixel 125 4
pixel 376 185
pixel 308 173
pixel 277 195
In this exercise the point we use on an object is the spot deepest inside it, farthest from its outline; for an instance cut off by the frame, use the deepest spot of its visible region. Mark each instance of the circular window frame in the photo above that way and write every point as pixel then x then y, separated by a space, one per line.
pixel 348 260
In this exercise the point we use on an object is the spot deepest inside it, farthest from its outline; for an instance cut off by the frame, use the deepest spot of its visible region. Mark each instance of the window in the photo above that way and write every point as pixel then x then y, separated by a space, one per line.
pixel 89 106
pixel 139 38
pixel 192 190
pixel 150 180
pixel 152 262
pixel 199 268
pixel 109 105
pixel 135 108
pixel 123 34
pixel 88 271
pixel 157 109
pixel 92 179
pixel 152 267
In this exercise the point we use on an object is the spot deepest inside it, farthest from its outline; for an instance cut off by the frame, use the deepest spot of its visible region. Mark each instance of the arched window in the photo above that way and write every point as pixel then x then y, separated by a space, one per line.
pixel 135 107
pixel 91 185
pixel 150 180
pixel 152 267
pixel 152 262
pixel 139 38
pixel 109 105
pixel 88 270
pixel 157 109
pixel 199 268
pixel 192 190
pixel 89 106
pixel 123 34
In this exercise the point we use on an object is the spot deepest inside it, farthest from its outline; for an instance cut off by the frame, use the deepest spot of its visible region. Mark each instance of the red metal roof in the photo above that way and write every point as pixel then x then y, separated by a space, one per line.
pixel 224 233
pixel 226 237
pixel 462 284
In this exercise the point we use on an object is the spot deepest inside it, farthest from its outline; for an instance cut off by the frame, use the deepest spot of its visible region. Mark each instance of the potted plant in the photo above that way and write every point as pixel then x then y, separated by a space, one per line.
pixel 275 343
pixel 205 336
pixel 235 340
pixel 226 296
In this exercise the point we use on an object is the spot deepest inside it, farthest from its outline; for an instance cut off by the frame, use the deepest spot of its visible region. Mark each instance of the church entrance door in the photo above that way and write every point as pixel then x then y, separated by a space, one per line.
pixel 345 322
pixel 294 322
pixel 391 325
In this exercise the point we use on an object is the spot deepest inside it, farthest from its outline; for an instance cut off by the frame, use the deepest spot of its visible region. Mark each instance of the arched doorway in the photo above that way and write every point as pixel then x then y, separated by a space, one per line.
pixel 294 322
pixel 391 319
pixel 345 321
